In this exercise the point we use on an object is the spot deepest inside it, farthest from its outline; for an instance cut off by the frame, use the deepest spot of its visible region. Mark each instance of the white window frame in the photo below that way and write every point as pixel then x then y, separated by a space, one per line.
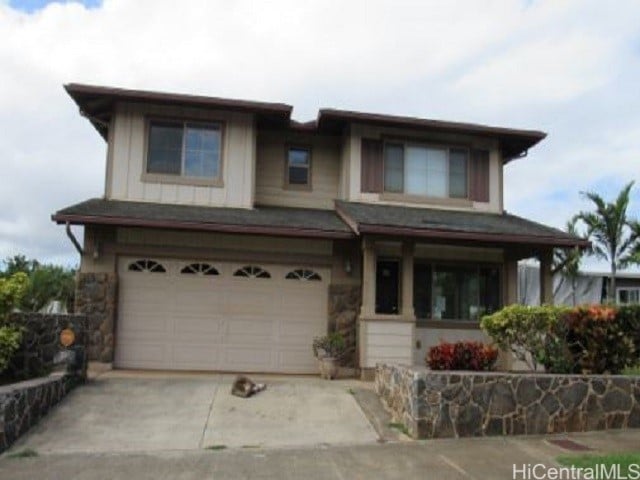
pixel 630 290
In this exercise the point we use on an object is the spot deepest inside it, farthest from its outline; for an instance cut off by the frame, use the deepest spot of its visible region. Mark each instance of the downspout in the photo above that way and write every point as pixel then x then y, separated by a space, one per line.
pixel 73 239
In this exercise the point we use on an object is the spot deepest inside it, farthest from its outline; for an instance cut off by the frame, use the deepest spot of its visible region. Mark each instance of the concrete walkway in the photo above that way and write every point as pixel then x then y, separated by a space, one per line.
pixel 465 459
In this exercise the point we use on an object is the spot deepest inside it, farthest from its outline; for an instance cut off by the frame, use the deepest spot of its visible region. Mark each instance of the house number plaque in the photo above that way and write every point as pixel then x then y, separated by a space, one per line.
pixel 67 337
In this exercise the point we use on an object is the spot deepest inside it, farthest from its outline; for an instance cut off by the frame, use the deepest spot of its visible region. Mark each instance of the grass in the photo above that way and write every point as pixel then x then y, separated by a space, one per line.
pixel 351 391
pixel 400 427
pixel 591 461
pixel 632 370
pixel 26 453
pixel 216 447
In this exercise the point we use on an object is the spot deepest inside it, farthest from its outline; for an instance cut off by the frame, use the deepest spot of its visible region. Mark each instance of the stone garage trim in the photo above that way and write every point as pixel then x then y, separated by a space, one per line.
pixel 461 404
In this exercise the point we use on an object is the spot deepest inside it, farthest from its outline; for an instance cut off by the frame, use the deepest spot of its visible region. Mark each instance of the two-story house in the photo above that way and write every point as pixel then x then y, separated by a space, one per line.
pixel 229 235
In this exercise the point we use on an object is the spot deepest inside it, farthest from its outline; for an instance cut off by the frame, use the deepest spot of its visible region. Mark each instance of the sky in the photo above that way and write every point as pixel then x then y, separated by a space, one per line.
pixel 569 68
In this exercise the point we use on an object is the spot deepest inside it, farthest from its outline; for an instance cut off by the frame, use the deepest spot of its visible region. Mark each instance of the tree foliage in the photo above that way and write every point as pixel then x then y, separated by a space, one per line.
pixel 44 283
pixel 613 234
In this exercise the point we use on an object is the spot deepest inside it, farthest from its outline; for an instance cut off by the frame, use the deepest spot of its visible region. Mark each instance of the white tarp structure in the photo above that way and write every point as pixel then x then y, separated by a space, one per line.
pixel 588 288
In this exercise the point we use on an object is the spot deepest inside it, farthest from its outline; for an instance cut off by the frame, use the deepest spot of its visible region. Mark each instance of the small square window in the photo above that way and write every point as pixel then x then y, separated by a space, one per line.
pixel 298 166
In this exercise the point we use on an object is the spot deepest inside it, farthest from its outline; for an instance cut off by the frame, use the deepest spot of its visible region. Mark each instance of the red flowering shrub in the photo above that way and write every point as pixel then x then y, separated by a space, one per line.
pixel 462 356
pixel 598 341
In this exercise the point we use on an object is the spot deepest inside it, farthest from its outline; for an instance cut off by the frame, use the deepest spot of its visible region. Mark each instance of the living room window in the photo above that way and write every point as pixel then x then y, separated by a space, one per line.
pixel 457 292
pixel 184 149
pixel 298 171
pixel 628 295
pixel 429 171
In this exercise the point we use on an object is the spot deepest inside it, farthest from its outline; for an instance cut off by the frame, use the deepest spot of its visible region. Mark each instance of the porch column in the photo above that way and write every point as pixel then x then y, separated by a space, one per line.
pixel 406 309
pixel 368 307
pixel 510 281
pixel 546 279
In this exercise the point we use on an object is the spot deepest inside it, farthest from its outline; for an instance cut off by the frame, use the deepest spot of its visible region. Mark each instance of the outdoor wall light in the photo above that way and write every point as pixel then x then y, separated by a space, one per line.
pixel 347 266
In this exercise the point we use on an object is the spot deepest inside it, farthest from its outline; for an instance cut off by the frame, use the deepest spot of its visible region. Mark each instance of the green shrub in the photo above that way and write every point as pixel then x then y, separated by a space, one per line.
pixel 12 290
pixel 533 334
pixel 331 345
pixel 598 341
pixel 629 318
pixel 462 355
pixel 10 338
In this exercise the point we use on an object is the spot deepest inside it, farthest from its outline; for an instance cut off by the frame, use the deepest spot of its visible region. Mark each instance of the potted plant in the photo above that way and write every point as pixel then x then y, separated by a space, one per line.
pixel 328 349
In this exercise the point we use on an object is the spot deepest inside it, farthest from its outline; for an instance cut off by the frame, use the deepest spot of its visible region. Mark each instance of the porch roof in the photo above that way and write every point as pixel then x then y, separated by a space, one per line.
pixel 366 218
pixel 282 221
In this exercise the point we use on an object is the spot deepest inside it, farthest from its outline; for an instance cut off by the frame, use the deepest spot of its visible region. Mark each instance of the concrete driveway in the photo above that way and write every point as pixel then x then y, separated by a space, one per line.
pixel 147 412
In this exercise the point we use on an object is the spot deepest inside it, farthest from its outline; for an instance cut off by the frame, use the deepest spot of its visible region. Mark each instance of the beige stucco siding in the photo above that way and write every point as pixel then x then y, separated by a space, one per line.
pixel 127 152
pixel 364 131
pixel 270 170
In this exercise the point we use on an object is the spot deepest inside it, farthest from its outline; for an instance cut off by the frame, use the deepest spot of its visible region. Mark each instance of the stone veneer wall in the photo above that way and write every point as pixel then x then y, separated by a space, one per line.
pixel 434 404
pixel 41 342
pixel 96 296
pixel 23 404
pixel 344 305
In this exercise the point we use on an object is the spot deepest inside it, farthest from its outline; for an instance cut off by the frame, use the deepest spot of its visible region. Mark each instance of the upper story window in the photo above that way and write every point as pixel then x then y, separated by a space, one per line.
pixel 423 170
pixel 298 172
pixel 185 149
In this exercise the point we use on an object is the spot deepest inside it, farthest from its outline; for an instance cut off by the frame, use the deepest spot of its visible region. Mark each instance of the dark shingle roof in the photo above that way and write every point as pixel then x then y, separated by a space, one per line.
pixel 268 220
pixel 427 222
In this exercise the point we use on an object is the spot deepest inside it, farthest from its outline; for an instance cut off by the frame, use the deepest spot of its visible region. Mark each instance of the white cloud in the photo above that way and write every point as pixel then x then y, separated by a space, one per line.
pixel 569 67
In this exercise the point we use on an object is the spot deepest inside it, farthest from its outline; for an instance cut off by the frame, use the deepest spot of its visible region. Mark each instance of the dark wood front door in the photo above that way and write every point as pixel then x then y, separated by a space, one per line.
pixel 387 272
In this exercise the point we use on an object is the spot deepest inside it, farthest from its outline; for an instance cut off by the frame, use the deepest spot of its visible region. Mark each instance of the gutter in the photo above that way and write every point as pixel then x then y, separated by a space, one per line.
pixel 73 238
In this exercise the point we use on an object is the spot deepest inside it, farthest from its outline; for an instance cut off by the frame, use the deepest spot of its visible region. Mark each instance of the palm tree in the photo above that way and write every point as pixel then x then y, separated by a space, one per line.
pixel 610 232
pixel 567 260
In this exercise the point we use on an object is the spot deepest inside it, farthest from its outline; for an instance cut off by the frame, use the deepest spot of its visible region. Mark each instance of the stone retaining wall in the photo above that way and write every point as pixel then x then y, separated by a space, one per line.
pixel 41 343
pixel 434 404
pixel 23 404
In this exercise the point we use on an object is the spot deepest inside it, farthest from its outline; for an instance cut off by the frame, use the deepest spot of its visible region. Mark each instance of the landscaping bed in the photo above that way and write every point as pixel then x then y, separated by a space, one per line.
pixel 436 404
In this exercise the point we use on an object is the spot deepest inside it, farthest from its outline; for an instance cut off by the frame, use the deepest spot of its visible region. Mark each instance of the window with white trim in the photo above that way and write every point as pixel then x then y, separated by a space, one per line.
pixel 199 269
pixel 417 169
pixel 146 265
pixel 628 295
pixel 185 149
pixel 303 274
pixel 252 271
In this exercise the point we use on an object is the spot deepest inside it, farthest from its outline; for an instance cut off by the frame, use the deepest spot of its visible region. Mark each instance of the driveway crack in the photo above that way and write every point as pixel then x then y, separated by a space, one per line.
pixel 206 423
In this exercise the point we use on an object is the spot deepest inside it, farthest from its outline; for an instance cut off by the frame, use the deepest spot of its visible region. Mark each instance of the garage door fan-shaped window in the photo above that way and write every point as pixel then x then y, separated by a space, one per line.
pixel 145 265
pixel 302 274
pixel 252 271
pixel 199 269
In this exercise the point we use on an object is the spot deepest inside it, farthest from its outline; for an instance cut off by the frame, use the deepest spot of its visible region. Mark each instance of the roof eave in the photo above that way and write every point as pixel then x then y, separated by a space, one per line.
pixel 200 226
pixel 478 236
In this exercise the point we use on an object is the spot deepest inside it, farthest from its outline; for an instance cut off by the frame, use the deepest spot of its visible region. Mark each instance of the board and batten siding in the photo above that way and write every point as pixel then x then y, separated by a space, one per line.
pixel 127 150
pixel 271 164
pixel 366 168
pixel 386 342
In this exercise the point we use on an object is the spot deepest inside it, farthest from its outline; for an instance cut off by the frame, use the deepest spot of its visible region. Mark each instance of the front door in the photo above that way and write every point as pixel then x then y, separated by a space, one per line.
pixel 387 272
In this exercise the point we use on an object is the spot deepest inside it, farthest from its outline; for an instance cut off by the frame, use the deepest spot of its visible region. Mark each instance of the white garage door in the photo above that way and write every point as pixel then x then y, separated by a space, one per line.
pixel 205 315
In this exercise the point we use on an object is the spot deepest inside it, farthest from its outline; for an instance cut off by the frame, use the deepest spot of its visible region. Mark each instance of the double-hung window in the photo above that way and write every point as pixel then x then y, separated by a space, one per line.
pixel 298 172
pixel 185 149
pixel 628 295
pixel 416 169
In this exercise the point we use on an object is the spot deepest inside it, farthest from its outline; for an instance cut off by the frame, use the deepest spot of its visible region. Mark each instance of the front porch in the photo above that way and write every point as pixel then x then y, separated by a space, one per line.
pixel 417 292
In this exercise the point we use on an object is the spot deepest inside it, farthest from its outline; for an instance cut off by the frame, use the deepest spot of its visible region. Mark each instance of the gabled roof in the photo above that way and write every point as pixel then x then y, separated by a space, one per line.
pixel 280 221
pixel 97 104
pixel 451 225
